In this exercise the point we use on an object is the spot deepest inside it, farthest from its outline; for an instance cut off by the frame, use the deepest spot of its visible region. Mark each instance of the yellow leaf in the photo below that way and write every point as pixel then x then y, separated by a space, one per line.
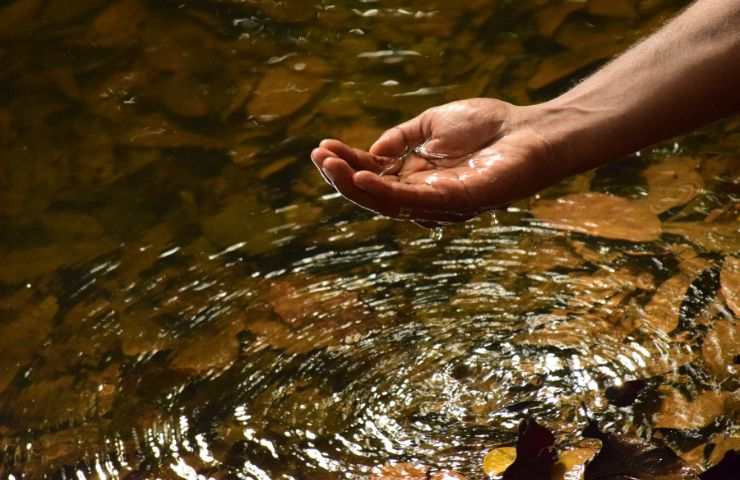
pixel 498 460
pixel 573 461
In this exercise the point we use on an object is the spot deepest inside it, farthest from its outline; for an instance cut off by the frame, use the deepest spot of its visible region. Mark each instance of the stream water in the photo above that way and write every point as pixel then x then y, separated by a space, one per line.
pixel 182 296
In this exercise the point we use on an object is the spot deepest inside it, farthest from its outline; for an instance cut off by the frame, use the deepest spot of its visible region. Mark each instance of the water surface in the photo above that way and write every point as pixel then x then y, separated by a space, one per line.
pixel 181 295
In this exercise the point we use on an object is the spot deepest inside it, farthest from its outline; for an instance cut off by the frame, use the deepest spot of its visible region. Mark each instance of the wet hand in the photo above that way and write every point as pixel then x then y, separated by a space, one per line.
pixel 448 164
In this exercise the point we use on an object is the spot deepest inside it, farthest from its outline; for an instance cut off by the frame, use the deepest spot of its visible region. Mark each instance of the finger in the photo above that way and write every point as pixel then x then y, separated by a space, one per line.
pixel 317 157
pixel 418 201
pixel 428 224
pixel 358 159
pixel 342 177
pixel 396 141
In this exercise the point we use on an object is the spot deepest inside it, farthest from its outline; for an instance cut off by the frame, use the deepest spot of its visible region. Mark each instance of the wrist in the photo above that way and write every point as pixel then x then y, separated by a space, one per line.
pixel 578 137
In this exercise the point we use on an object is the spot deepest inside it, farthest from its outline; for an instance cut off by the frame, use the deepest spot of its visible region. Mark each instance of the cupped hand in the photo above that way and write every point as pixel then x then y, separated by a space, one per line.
pixel 448 164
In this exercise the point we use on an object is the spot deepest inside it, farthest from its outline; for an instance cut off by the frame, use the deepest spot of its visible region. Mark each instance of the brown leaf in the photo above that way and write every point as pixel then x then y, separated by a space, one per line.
pixel 730 281
pixel 108 29
pixel 601 215
pixel 612 8
pixel 210 349
pixel 717 237
pixel 722 445
pixel 317 313
pixel 409 471
pixel 564 64
pixel 574 460
pixel 16 16
pixel 550 18
pixel 678 412
pixel 727 468
pixel 20 339
pixel 690 263
pixel 672 182
pixel 721 346
pixel 716 168
pixel 284 91
pixel 662 312
pixel 631 458
pixel 535 455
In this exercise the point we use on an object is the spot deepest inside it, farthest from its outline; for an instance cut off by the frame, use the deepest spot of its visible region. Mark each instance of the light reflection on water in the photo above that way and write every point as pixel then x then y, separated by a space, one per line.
pixel 185 297
pixel 345 360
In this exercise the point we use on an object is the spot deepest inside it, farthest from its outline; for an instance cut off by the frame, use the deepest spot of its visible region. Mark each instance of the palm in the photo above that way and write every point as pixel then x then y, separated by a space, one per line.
pixel 470 163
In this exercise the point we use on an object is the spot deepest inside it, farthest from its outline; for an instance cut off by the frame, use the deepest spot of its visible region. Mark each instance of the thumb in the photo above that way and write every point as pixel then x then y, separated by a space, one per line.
pixel 396 141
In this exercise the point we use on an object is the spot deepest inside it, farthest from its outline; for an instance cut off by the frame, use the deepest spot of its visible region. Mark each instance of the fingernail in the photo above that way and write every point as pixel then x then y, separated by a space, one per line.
pixel 327 176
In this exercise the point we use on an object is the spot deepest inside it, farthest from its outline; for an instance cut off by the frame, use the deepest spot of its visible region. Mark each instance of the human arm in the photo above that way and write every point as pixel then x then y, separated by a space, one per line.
pixel 682 77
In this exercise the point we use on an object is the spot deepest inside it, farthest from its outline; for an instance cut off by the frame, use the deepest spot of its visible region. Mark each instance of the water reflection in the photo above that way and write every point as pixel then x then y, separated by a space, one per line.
pixel 182 295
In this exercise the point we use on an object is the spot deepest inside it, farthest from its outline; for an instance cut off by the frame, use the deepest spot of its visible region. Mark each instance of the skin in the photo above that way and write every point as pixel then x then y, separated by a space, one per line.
pixel 479 154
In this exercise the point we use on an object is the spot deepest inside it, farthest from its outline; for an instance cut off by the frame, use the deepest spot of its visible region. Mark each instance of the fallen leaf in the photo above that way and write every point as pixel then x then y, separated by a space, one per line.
pixel 721 347
pixel 562 65
pixel 625 394
pixel 21 338
pixel 16 17
pixel 623 458
pixel 689 261
pixel 730 283
pixel 284 91
pixel 551 17
pixel 612 8
pixel 720 168
pixel 498 460
pixel 662 312
pixel 573 461
pixel 716 237
pixel 535 456
pixel 409 471
pixel 109 31
pixel 209 351
pixel 601 215
pixel 672 182
pixel 724 470
pixel 723 445
pixel 680 413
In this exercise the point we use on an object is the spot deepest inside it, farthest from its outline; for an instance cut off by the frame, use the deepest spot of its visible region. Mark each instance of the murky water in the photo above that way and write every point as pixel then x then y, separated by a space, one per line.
pixel 181 295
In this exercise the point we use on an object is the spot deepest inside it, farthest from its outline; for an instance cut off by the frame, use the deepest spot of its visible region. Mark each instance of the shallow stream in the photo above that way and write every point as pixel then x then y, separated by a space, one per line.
pixel 182 296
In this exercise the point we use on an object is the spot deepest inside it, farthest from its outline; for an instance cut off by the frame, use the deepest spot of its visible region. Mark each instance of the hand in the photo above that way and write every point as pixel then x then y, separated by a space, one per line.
pixel 459 160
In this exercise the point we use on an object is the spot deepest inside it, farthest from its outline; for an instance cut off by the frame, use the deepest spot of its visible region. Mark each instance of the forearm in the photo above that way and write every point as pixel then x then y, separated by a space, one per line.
pixel 684 76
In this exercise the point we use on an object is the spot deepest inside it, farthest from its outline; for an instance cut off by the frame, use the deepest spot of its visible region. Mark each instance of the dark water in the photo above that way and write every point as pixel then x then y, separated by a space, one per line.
pixel 181 296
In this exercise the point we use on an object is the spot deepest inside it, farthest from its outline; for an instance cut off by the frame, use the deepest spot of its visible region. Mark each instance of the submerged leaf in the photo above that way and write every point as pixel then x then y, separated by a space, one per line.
pixel 728 468
pixel 284 91
pixel 672 182
pixel 730 281
pixel 601 215
pixel 498 460
pixel 678 412
pixel 409 471
pixel 623 458
pixel 535 457
pixel 721 347
pixel 717 237
pixel 573 461
pixel 722 446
